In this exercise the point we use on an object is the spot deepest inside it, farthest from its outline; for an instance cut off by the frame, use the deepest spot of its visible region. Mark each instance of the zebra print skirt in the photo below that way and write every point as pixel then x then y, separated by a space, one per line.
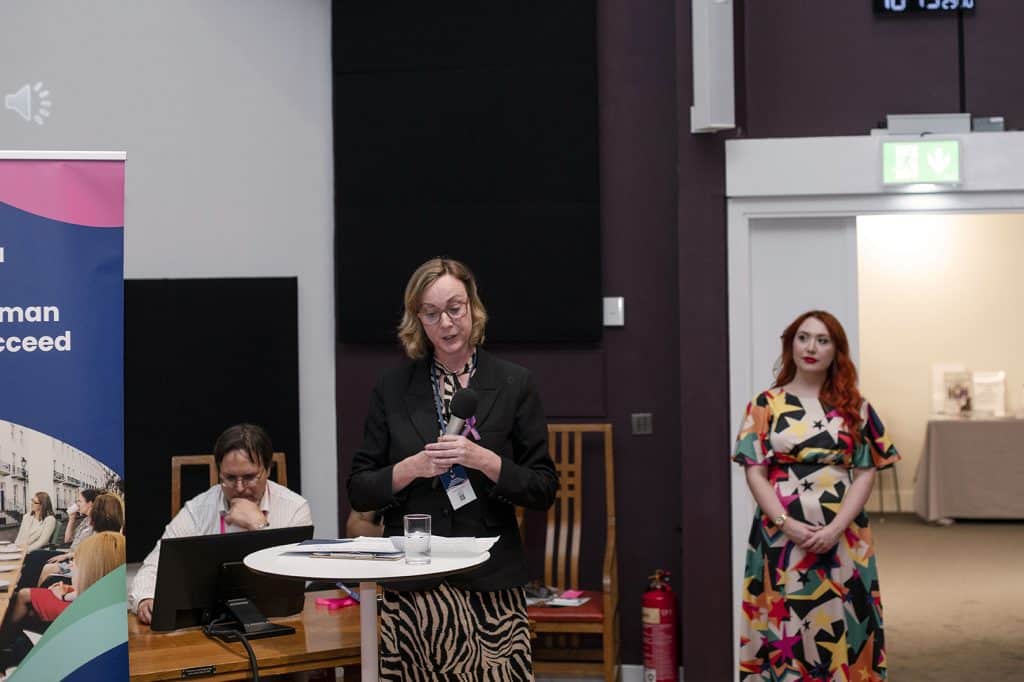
pixel 448 634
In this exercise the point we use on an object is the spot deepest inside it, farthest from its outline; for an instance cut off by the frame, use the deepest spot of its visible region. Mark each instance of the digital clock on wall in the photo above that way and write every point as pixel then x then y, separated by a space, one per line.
pixel 925 6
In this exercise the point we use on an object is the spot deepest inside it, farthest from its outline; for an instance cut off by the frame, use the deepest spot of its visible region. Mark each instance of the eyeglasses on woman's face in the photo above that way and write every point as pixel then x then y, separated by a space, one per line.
pixel 35 501
pixel 247 480
pixel 456 310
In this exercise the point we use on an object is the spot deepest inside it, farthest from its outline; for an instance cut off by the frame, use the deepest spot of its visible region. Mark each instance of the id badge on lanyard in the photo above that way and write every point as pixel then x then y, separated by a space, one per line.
pixel 455 480
pixel 456 484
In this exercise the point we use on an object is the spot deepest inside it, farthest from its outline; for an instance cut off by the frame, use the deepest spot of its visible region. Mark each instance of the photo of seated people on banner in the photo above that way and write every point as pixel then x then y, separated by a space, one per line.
pixel 61 532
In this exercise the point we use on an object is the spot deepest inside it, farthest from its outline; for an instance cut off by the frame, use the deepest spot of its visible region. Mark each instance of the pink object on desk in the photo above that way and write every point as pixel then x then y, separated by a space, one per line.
pixel 335 602
pixel 571 594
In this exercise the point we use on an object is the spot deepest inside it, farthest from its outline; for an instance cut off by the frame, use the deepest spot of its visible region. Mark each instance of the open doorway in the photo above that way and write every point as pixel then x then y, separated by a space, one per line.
pixel 946 289
pixel 937 290
pixel 913 290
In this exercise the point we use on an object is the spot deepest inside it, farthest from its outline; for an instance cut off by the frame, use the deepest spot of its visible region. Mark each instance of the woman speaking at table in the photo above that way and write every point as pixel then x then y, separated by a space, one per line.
pixel 471 625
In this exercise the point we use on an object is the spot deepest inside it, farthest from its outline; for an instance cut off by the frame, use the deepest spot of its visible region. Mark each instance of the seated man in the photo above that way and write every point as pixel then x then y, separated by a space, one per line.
pixel 244 500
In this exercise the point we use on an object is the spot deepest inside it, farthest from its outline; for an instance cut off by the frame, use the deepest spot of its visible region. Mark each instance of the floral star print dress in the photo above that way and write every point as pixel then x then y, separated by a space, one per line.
pixel 808 616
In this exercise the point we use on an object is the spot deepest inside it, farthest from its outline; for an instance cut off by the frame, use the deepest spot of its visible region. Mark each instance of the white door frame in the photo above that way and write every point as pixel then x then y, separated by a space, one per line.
pixel 831 177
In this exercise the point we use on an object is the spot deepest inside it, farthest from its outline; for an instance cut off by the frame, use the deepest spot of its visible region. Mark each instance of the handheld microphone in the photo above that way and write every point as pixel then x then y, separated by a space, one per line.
pixel 464 404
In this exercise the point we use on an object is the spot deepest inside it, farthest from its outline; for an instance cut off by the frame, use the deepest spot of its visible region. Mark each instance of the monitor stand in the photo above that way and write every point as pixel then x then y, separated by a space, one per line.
pixel 244 618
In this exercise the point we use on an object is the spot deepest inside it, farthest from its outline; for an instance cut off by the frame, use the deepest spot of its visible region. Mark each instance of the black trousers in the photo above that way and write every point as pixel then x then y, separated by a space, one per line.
pixel 33 566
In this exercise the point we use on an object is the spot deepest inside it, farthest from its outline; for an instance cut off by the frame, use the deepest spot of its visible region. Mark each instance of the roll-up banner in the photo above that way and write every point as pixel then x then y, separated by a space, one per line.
pixel 61 411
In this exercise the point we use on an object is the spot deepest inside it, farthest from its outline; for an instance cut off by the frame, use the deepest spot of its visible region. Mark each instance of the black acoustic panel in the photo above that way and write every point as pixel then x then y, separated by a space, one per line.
pixel 497 135
pixel 470 130
pixel 538 267
pixel 415 35
pixel 201 355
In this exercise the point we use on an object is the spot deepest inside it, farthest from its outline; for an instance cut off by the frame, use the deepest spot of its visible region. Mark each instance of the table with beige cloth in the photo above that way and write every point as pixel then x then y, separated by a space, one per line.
pixel 971 469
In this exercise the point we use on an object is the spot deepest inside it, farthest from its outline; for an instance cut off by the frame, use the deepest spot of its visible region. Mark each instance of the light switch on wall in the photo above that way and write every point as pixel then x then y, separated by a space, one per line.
pixel 642 423
pixel 614 311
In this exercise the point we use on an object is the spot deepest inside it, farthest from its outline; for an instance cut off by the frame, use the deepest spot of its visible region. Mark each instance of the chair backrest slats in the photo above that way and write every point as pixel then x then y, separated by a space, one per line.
pixel 279 470
pixel 577 515
pixel 565 518
pixel 549 531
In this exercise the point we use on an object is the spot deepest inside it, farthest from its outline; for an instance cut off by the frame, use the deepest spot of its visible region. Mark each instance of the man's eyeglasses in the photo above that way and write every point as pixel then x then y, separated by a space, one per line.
pixel 246 480
pixel 455 311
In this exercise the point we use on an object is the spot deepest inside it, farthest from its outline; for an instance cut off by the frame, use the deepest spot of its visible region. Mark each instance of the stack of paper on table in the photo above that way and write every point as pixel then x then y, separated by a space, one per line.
pixel 453 547
pixel 391 548
pixel 349 548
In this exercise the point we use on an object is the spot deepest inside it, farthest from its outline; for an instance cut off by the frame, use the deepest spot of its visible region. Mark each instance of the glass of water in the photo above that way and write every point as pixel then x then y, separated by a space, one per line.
pixel 417 538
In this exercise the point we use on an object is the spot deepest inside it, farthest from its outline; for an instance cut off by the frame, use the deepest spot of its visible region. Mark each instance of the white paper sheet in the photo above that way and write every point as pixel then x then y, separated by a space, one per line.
pixel 439 546
pixel 989 393
pixel 445 546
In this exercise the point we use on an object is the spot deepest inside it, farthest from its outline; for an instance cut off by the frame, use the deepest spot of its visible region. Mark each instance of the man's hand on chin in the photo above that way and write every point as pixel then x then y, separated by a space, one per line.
pixel 145 611
pixel 245 514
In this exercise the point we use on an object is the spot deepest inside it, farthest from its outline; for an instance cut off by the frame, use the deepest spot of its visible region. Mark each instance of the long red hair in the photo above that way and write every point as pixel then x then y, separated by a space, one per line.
pixel 840 388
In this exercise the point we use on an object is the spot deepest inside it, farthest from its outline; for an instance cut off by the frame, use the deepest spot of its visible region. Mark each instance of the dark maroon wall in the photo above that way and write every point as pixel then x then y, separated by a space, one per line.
pixel 834 68
pixel 703 328
pixel 636 367
pixel 993 54
pixel 636 67
pixel 803 69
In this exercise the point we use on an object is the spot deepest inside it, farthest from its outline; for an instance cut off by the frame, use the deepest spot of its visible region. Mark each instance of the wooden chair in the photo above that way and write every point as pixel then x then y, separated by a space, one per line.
pixel 600 615
pixel 278 468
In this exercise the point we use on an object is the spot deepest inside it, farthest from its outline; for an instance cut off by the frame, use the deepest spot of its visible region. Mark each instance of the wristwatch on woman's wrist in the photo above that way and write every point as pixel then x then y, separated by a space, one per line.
pixel 780 520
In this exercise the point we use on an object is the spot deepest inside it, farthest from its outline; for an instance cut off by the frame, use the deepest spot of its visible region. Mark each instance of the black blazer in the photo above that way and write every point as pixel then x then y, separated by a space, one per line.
pixel 511 424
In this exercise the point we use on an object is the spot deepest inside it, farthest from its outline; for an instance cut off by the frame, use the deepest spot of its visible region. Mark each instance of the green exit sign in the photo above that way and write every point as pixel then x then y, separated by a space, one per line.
pixel 934 161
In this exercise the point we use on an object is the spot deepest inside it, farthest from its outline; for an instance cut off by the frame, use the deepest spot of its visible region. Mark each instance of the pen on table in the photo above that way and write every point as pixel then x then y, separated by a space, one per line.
pixel 349 593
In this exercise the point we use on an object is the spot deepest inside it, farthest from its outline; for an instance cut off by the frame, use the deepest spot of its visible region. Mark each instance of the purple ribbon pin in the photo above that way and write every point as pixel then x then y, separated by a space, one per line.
pixel 470 428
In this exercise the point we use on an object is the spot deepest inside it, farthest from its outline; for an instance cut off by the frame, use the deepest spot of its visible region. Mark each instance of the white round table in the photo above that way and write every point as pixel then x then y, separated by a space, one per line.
pixel 367 573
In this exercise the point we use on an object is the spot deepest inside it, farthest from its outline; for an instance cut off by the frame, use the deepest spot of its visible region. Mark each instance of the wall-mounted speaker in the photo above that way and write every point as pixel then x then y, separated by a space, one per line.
pixel 714 90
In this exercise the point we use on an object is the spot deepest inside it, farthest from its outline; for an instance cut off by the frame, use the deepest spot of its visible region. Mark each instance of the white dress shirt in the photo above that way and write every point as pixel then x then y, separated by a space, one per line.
pixel 202 516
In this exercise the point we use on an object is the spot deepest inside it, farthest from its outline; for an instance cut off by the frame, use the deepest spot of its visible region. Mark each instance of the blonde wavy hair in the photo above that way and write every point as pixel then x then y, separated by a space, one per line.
pixel 410 330
pixel 95 557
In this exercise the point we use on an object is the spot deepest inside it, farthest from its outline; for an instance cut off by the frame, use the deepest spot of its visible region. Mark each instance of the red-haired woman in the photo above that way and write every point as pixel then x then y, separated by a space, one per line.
pixel 810 446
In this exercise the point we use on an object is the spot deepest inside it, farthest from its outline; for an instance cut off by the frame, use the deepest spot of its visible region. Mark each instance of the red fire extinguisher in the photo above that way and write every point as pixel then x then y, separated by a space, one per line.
pixel 659 619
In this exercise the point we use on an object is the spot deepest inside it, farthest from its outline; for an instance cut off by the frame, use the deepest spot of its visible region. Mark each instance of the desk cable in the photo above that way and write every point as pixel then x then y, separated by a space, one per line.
pixel 229 634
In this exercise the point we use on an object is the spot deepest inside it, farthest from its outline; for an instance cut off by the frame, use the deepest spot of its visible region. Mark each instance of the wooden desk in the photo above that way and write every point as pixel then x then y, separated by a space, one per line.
pixel 322 639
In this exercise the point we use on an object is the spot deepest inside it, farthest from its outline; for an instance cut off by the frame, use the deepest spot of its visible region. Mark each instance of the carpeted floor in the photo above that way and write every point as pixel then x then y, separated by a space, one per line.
pixel 953 599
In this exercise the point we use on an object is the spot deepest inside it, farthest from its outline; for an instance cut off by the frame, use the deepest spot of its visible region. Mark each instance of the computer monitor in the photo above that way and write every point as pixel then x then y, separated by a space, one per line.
pixel 197 574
